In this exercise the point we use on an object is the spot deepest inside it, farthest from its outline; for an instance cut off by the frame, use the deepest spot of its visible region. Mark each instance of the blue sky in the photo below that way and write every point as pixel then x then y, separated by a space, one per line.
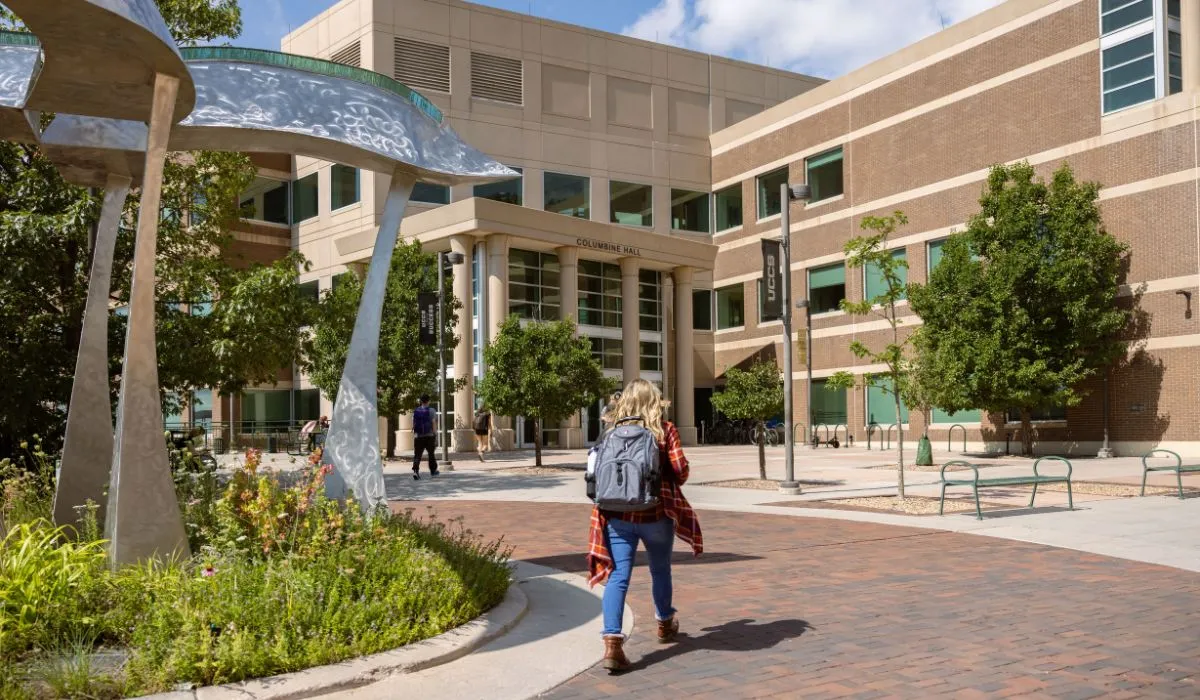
pixel 825 38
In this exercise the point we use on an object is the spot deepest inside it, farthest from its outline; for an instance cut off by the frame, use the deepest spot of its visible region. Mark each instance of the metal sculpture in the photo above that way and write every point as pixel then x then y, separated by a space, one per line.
pixel 119 84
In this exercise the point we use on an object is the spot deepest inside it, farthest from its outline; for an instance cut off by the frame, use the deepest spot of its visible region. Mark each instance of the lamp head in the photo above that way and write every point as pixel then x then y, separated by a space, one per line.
pixel 801 193
pixel 454 258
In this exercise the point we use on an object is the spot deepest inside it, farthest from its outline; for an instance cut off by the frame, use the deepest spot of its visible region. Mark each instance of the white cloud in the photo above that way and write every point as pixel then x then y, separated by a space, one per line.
pixel 819 37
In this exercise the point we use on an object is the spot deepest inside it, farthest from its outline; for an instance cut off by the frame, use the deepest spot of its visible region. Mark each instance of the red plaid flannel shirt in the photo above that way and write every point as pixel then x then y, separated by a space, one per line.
pixel 672 505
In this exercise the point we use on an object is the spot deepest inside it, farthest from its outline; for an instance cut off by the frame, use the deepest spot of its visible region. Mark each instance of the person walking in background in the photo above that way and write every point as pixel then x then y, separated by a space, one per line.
pixel 424 437
pixel 484 425
pixel 614 536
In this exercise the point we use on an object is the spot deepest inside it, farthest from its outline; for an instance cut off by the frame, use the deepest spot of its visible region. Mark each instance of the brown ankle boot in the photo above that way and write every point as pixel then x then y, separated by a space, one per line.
pixel 614 656
pixel 667 629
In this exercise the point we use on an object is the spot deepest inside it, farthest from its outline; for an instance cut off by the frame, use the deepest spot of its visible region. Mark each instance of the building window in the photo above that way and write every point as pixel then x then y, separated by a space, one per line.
pixel 266 200
pixel 608 352
pixel 824 175
pixel 727 204
pixel 343 186
pixel 731 307
pixel 702 309
pixel 507 191
pixel 881 405
pixel 935 253
pixel 768 192
pixel 826 288
pixel 828 405
pixel 430 194
pixel 311 291
pixel 971 416
pixel 534 290
pixel 650 306
pixel 306 404
pixel 599 294
pixel 202 406
pixel 1141 52
pixel 689 211
pixel 1118 14
pixel 631 204
pixel 1174 63
pixel 567 194
pixel 651 357
pixel 1048 413
pixel 875 285
pixel 304 198
pixel 342 278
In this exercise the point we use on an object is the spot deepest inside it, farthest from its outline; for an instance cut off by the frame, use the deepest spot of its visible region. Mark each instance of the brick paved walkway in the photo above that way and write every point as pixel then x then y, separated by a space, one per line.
pixel 788 607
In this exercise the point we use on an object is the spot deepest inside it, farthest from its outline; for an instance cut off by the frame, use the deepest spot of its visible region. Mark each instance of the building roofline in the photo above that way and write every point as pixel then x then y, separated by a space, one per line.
pixel 932 49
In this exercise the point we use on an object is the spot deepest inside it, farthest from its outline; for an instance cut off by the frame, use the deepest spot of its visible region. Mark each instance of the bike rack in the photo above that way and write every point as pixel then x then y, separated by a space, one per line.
pixel 795 427
pixel 951 436
pixel 845 432
pixel 871 428
pixel 826 427
pixel 889 434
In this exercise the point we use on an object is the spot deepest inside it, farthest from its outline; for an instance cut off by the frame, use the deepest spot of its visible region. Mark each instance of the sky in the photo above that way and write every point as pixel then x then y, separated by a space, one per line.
pixel 824 38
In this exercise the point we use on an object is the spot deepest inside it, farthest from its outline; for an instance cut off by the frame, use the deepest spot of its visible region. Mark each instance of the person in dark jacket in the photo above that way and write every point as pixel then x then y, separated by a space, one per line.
pixel 424 437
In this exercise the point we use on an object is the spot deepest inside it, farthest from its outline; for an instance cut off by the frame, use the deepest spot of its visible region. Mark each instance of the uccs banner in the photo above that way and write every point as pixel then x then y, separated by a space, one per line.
pixel 772 280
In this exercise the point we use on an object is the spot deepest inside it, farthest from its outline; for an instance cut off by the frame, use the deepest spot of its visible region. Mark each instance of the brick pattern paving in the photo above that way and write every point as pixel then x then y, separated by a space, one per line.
pixel 812 608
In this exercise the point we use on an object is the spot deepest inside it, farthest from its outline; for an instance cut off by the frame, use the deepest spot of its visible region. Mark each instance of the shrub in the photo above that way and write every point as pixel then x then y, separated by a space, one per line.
pixel 26 486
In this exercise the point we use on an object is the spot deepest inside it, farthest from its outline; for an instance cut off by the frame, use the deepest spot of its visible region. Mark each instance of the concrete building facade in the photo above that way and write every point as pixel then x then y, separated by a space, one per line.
pixel 651 173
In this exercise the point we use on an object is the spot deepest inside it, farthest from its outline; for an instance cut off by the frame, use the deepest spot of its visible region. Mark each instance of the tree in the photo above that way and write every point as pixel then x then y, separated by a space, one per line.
pixel 871 251
pixel 755 394
pixel 45 227
pixel 1022 307
pixel 541 371
pixel 407 369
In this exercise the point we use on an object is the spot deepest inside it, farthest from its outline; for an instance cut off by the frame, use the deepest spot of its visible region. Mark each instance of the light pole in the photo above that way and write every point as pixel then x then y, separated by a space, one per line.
pixel 444 259
pixel 788 193
pixel 803 304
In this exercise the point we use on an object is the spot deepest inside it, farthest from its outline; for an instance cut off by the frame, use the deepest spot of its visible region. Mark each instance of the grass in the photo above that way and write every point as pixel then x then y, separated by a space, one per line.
pixel 282 579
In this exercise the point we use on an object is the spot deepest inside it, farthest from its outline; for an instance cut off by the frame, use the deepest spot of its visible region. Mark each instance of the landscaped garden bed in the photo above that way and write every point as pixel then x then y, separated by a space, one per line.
pixel 281 579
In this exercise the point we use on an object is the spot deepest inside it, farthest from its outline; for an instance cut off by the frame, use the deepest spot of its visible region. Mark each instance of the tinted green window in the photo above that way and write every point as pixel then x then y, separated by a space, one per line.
pixel 608 352
pixel 534 285
pixel 304 198
pixel 651 357
pixel 343 186
pixel 768 192
pixel 430 194
pixel 702 309
pixel 508 191
pixel 828 405
pixel 1174 63
pixel 566 194
pixel 275 204
pixel 1118 14
pixel 731 307
pixel 940 416
pixel 881 406
pixel 936 253
pixel 826 287
pixel 1128 73
pixel 310 290
pixel 875 284
pixel 1173 8
pixel 649 300
pixel 631 204
pixel 825 175
pixel 689 211
pixel 599 294
pixel 306 404
pixel 728 207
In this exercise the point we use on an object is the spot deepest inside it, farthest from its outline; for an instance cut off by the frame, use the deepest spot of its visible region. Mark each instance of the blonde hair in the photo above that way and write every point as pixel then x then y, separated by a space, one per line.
pixel 641 399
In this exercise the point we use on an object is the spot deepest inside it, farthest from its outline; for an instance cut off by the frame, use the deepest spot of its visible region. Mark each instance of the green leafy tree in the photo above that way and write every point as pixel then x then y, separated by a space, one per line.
pixel 209 332
pixel 541 371
pixel 407 369
pixel 871 251
pixel 754 394
pixel 1022 307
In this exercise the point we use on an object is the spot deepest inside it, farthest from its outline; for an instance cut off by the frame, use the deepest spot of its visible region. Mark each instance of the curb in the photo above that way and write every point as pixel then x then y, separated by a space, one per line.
pixel 364 670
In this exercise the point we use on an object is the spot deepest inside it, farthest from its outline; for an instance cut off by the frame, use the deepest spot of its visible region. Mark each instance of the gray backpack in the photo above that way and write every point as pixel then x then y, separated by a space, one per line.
pixel 624 474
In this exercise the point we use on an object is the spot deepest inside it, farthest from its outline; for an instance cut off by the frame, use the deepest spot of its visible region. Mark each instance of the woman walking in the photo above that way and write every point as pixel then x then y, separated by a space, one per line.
pixel 614 536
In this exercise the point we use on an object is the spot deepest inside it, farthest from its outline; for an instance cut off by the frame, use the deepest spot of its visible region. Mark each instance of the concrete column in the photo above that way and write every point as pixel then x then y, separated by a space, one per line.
pixel 570 433
pixel 404 435
pixel 1189 21
pixel 497 311
pixel 462 438
pixel 685 372
pixel 630 347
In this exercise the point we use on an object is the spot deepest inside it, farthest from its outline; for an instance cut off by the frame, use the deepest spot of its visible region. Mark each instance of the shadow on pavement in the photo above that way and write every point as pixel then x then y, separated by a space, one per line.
pixel 403 487
pixel 577 563
pixel 1015 512
pixel 737 635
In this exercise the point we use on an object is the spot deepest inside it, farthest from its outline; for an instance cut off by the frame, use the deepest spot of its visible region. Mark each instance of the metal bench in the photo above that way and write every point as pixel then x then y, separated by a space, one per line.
pixel 1035 479
pixel 1178 467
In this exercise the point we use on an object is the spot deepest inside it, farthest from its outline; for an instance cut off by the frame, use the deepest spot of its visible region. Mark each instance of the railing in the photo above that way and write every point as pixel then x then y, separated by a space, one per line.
pixel 220 437
pixel 950 437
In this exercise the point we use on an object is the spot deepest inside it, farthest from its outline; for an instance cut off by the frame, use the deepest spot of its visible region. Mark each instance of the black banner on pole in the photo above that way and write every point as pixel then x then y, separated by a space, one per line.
pixel 772 291
pixel 427 306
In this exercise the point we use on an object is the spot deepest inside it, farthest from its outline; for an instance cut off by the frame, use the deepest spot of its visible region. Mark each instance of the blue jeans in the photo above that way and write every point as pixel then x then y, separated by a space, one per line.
pixel 623 537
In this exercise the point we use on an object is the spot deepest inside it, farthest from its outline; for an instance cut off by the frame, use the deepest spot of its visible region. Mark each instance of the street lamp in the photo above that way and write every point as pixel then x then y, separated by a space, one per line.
pixel 444 259
pixel 788 194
